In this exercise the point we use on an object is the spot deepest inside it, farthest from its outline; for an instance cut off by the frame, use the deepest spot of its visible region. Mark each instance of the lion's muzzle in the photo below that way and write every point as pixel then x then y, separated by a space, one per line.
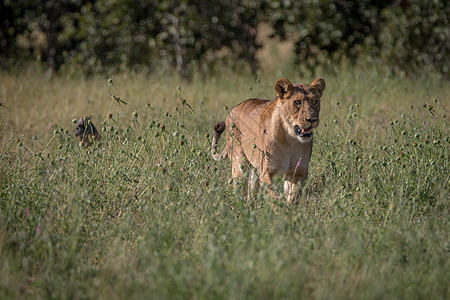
pixel 303 132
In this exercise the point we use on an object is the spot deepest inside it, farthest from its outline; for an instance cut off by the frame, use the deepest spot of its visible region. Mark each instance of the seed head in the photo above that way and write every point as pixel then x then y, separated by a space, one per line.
pixel 110 82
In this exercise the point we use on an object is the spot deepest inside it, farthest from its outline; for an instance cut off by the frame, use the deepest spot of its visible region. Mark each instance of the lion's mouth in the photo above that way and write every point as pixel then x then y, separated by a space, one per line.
pixel 303 132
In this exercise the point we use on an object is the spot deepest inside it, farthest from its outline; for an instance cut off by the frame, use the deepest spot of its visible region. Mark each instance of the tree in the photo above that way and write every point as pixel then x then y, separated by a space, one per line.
pixel 182 34
pixel 416 34
pixel 46 17
pixel 6 32
pixel 330 28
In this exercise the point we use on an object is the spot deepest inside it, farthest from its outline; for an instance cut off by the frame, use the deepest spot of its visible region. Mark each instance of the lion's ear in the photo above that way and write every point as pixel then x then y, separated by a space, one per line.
pixel 319 85
pixel 284 88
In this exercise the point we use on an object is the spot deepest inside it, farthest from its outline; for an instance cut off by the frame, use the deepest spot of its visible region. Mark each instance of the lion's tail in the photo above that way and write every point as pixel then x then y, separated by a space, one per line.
pixel 219 128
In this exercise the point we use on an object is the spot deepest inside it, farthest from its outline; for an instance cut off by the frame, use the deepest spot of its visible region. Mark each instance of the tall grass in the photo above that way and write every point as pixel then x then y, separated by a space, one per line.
pixel 147 213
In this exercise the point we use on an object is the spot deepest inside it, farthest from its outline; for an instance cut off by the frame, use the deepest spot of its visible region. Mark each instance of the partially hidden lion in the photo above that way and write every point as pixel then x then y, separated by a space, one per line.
pixel 273 136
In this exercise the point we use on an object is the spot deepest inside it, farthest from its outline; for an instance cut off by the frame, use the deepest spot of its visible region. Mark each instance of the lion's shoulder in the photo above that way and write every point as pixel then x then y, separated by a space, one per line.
pixel 252 102
pixel 250 107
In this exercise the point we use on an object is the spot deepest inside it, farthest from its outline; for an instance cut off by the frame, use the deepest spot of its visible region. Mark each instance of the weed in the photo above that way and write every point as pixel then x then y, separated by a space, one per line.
pixel 146 211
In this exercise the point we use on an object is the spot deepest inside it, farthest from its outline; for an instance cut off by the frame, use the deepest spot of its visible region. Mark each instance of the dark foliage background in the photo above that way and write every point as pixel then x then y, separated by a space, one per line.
pixel 183 35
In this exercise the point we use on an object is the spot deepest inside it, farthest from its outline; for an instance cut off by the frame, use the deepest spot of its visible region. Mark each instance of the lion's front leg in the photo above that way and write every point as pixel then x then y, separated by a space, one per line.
pixel 253 180
pixel 291 189
pixel 267 184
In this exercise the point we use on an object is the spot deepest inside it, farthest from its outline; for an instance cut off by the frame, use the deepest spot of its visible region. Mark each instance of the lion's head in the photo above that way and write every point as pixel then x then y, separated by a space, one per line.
pixel 300 106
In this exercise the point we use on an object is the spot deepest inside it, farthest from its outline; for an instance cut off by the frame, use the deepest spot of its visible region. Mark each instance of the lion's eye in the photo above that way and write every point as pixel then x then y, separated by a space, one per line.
pixel 297 102
pixel 316 102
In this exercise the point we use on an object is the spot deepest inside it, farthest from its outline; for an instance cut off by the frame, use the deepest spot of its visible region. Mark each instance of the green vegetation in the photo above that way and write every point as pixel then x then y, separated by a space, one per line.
pixel 410 35
pixel 147 213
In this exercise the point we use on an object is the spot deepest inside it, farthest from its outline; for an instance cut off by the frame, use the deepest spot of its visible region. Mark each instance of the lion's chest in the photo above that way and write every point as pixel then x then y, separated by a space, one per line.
pixel 291 160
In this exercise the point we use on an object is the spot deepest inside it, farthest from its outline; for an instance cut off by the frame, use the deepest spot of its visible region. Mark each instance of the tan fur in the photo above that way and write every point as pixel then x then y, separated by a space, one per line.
pixel 274 137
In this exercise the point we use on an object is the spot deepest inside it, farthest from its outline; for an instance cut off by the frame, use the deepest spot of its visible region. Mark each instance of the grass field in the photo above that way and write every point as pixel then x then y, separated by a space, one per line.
pixel 147 213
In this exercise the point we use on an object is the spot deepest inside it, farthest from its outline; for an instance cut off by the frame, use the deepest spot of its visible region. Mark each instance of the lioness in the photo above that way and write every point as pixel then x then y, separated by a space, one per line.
pixel 275 137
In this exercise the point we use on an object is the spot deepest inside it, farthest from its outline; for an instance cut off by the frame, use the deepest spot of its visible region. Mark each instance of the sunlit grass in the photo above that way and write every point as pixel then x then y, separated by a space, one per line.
pixel 146 212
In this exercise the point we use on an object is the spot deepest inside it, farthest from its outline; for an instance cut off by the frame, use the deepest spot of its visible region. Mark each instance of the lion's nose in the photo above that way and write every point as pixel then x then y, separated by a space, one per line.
pixel 311 120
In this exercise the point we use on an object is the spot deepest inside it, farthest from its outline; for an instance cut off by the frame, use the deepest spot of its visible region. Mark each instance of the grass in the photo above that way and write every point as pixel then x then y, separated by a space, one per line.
pixel 147 213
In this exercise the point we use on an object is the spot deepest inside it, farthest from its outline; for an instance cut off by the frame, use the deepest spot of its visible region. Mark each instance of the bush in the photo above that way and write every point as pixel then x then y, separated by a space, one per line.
pixel 417 34
pixel 123 34
pixel 407 34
